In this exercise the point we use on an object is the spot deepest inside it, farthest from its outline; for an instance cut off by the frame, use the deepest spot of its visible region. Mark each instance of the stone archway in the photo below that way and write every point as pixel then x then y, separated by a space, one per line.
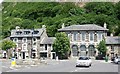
pixel 91 50
pixel 82 50
pixel 75 50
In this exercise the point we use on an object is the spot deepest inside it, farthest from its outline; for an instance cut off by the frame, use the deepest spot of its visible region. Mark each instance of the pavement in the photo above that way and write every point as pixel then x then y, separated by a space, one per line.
pixel 61 66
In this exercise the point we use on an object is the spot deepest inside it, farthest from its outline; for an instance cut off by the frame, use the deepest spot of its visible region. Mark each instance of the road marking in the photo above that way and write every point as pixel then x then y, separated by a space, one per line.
pixel 5 67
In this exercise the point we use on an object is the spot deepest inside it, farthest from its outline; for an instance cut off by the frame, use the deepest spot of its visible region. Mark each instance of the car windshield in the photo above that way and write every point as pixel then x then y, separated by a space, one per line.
pixel 83 58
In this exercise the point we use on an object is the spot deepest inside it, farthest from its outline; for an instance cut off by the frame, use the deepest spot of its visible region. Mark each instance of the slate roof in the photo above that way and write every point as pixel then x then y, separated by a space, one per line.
pixel 26 35
pixel 113 40
pixel 91 27
pixel 49 40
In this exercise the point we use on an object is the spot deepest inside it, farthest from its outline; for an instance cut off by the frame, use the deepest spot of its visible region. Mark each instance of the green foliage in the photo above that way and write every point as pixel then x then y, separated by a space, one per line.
pixel 7 44
pixel 61 45
pixel 32 14
pixel 102 47
pixel 118 10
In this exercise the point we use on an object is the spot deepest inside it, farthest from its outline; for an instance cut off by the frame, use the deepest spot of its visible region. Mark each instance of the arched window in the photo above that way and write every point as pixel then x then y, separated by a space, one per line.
pixel 75 50
pixel 91 50
pixel 82 48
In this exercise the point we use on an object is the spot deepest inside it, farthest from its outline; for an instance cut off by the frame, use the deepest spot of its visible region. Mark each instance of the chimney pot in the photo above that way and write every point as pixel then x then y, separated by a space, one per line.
pixel 43 26
pixel 105 25
pixel 17 27
pixel 63 25
pixel 111 34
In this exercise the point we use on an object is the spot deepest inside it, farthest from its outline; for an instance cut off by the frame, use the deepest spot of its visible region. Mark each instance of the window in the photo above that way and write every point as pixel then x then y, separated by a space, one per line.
pixel 49 45
pixel 34 43
pixel 24 39
pixel 99 36
pixel 34 39
pixel 83 36
pixel 26 32
pixel 91 36
pixel 24 46
pixel 35 32
pixel 75 36
pixel 18 32
pixel 69 36
pixel 15 39
pixel 45 46
pixel 41 45
pixel 112 48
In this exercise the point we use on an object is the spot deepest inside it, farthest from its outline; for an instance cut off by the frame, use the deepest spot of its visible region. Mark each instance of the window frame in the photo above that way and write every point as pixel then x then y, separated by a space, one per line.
pixel 24 39
pixel 83 36
pixel 91 36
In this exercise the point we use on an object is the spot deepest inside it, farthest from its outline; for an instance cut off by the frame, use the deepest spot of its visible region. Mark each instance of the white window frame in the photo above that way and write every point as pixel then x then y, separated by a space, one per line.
pixel 35 39
pixel 16 40
pixel 69 36
pixel 99 36
pixel 35 46
pixel 23 40
pixel 74 37
pixel 24 47
pixel 90 36
pixel 82 36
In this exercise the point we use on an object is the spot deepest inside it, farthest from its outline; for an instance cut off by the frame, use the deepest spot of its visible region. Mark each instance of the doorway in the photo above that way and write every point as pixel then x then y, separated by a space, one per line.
pixel 23 55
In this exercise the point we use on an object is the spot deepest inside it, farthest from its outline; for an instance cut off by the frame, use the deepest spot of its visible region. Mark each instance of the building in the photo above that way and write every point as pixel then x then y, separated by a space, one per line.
pixel 113 45
pixel 84 38
pixel 32 43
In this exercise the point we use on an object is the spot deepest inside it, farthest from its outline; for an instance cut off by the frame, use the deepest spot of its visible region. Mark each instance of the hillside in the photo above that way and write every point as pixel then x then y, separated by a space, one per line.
pixel 35 14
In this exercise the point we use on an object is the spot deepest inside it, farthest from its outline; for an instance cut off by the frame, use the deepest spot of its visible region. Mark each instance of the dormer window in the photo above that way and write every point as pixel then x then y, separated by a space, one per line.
pixel 35 32
pixel 18 33
pixel 26 32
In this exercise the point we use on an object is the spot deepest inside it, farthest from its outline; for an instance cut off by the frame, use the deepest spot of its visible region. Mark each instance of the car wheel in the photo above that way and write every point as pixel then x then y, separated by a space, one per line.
pixel 90 65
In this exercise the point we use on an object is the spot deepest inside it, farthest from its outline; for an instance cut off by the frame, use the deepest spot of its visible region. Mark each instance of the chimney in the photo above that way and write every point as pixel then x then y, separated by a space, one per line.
pixel 111 34
pixel 17 27
pixel 105 25
pixel 44 27
pixel 63 25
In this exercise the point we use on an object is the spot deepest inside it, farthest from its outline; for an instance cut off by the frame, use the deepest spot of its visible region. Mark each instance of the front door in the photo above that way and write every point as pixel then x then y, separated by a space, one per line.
pixel 23 55
pixel 53 56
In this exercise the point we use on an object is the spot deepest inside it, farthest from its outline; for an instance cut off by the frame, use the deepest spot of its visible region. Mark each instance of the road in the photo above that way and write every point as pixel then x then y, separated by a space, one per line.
pixel 66 66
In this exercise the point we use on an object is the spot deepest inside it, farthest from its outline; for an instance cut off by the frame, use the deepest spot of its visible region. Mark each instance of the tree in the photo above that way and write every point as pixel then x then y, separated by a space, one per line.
pixel 61 45
pixel 102 48
pixel 7 45
pixel 118 10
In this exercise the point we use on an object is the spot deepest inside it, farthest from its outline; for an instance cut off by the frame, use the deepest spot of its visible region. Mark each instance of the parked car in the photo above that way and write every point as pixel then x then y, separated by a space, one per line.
pixel 112 58
pixel 117 60
pixel 100 57
pixel 84 61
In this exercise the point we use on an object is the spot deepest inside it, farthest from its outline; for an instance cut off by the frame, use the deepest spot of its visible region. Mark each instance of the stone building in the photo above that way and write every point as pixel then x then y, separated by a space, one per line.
pixel 113 45
pixel 31 43
pixel 84 38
